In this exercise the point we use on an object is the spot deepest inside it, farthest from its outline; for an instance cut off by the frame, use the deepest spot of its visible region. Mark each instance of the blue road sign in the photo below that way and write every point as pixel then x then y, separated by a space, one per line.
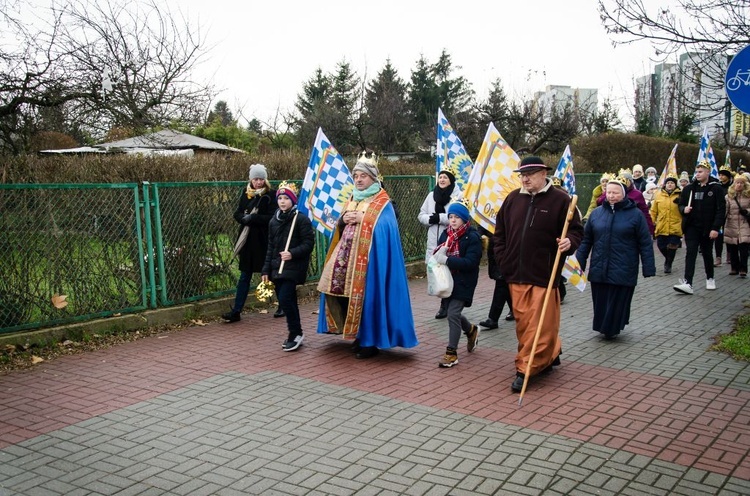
pixel 737 80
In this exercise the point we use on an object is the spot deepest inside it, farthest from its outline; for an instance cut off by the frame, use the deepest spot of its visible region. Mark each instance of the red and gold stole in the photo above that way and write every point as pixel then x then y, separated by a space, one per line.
pixel 356 271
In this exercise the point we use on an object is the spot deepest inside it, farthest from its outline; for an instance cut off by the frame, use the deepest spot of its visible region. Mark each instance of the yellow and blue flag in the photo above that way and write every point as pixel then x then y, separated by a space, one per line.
pixel 670 168
pixel 450 152
pixel 565 173
pixel 327 186
pixel 706 153
pixel 492 178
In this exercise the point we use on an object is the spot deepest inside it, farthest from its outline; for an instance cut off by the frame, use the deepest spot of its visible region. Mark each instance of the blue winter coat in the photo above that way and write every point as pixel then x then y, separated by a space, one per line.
pixel 616 237
pixel 465 267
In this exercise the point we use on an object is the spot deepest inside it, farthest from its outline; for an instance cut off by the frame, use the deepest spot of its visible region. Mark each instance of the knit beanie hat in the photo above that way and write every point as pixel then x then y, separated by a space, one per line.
pixel 460 209
pixel 258 171
pixel 289 190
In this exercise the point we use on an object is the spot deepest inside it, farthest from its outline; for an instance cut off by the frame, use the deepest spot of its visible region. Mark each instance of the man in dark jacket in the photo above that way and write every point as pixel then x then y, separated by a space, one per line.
pixel 526 238
pixel 702 205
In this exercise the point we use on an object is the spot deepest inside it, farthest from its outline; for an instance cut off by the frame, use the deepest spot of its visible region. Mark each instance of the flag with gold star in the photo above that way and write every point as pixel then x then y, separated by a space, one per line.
pixel 450 152
pixel 670 168
pixel 492 178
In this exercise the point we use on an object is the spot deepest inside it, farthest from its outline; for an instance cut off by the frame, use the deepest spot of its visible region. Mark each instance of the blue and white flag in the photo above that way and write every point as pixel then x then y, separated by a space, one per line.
pixel 564 172
pixel 450 152
pixel 327 186
pixel 706 153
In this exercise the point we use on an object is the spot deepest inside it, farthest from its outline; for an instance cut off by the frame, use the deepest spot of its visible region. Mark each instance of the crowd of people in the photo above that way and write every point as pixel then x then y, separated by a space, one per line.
pixel 364 292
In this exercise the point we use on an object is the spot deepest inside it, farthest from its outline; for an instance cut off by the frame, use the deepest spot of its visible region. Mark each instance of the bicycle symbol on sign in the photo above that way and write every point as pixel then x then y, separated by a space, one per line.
pixel 742 77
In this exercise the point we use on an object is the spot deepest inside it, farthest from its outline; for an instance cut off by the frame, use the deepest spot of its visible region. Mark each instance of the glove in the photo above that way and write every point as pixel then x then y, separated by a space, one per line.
pixel 247 218
pixel 440 256
pixel 435 218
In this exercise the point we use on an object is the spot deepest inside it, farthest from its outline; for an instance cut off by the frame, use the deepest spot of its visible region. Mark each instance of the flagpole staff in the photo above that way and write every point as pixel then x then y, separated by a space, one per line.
pixel 568 218
pixel 289 239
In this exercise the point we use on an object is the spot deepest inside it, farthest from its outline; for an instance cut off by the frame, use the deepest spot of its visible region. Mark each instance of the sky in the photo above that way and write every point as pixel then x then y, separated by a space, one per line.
pixel 263 52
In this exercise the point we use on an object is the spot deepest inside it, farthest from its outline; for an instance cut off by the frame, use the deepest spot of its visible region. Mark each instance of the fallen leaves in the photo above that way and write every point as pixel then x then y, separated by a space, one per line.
pixel 198 322
pixel 59 301
pixel 35 359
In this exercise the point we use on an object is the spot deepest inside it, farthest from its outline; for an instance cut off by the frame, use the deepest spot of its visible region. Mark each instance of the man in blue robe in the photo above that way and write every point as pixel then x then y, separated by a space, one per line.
pixel 364 288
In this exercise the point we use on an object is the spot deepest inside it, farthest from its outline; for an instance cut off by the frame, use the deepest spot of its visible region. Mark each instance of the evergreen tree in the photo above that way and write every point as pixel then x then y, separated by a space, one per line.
pixel 387 126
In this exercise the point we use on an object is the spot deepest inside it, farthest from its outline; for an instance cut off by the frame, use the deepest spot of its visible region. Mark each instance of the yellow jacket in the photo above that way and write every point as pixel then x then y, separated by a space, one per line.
pixel 666 214
pixel 598 190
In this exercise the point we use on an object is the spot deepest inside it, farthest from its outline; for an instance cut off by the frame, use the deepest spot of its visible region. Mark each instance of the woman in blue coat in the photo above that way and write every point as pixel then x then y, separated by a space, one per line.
pixel 617 238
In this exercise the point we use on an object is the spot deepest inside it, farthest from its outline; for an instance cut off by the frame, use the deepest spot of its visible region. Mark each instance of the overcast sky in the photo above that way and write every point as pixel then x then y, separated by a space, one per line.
pixel 264 51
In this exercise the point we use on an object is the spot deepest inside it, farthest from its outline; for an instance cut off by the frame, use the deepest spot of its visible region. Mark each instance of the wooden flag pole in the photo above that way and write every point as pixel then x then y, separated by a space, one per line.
pixel 568 218
pixel 289 240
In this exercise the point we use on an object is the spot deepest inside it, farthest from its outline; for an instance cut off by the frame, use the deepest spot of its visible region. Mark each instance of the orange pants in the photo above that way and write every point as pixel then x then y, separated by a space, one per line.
pixel 527 308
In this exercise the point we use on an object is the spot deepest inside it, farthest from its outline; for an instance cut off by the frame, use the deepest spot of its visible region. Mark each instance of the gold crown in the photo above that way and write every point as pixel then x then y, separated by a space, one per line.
pixel 463 201
pixel 624 171
pixel 556 181
pixel 620 180
pixel 726 167
pixel 288 185
pixel 608 176
pixel 703 164
pixel 371 160
pixel 671 176
pixel 451 168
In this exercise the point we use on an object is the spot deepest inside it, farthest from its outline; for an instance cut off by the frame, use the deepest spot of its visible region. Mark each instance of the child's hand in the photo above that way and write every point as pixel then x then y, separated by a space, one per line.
pixel 264 278
pixel 440 256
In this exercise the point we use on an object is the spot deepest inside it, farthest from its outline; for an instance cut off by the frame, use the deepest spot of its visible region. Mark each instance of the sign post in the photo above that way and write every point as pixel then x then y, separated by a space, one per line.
pixel 737 80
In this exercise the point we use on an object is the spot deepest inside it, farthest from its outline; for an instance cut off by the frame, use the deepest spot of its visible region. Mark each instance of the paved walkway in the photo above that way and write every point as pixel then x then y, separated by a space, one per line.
pixel 222 410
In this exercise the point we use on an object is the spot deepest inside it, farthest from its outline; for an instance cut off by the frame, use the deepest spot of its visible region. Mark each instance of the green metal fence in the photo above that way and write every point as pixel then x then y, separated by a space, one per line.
pixel 120 248
pixel 123 248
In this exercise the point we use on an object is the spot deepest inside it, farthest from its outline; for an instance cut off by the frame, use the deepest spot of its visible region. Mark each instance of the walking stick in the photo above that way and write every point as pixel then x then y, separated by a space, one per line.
pixel 288 240
pixel 571 211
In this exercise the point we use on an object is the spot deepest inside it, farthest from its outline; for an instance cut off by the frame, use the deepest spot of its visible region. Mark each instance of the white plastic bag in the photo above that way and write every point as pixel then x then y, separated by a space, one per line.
pixel 439 279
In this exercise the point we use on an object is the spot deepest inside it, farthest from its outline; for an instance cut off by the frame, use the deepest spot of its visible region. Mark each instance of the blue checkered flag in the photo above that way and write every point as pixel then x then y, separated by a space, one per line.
pixel 565 173
pixel 450 151
pixel 327 186
pixel 706 153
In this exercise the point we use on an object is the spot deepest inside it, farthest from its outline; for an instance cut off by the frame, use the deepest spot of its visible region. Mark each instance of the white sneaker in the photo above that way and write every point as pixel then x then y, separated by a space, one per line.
pixel 710 283
pixel 683 287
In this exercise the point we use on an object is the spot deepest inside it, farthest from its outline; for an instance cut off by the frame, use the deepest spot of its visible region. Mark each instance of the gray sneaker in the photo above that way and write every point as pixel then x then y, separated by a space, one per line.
pixel 683 287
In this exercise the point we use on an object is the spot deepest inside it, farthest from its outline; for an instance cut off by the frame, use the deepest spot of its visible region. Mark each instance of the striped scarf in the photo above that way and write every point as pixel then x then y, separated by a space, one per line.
pixel 454 235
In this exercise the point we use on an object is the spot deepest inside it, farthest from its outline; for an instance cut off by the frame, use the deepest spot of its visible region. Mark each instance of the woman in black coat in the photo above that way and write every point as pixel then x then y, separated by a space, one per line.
pixel 295 257
pixel 256 206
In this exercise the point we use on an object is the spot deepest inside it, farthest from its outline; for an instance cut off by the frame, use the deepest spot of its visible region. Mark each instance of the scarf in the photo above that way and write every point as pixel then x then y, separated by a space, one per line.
pixel 454 235
pixel 366 193
pixel 250 192
pixel 442 196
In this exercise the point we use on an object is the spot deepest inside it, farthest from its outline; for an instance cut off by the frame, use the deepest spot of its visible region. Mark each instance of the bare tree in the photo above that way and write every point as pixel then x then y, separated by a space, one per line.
pixel 706 31
pixel 103 64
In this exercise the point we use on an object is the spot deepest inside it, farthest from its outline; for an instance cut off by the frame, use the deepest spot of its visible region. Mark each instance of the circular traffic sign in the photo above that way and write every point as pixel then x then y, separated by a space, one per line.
pixel 737 80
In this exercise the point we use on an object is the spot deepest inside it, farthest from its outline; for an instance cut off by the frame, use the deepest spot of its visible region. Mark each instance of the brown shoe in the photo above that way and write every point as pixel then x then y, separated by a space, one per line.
pixel 473 338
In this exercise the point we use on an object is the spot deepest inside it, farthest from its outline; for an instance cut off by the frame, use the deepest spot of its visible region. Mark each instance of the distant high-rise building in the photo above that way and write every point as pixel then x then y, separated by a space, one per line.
pixel 580 99
pixel 688 88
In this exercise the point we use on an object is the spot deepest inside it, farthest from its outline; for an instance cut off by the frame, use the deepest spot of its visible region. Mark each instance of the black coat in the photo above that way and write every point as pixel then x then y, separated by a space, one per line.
pixel 301 246
pixel 465 267
pixel 708 207
pixel 253 254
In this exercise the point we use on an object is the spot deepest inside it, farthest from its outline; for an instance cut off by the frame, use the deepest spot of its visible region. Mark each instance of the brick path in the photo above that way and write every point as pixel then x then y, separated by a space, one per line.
pixel 222 410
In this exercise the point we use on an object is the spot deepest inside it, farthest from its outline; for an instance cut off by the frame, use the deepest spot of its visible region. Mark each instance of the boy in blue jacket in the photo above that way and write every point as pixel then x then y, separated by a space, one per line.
pixel 460 248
